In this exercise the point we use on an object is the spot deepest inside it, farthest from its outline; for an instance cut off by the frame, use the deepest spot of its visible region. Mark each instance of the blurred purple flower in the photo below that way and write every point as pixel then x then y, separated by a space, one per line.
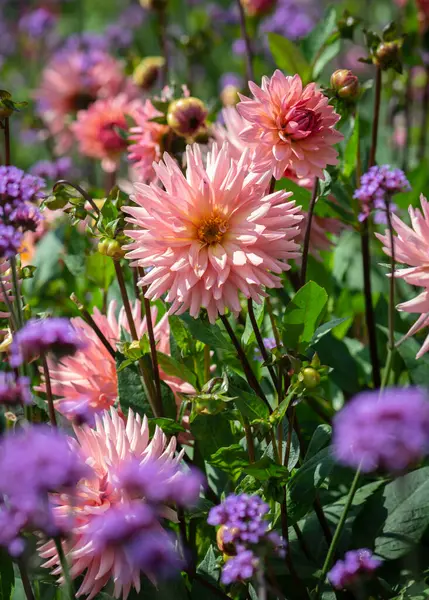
pixel 386 430
pixel 239 47
pixel 37 23
pixel 155 553
pixel 15 184
pixel 292 19
pixel 10 241
pixel 239 567
pixel 377 185
pixel 60 168
pixel 356 564
pixel 269 343
pixel 14 390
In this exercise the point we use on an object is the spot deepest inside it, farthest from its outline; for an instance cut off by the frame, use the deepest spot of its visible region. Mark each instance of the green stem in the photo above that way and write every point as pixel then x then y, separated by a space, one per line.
pixel 337 534
pixel 261 344
pixel 391 314
pixel 19 313
pixel 49 396
pixel 307 235
pixel 65 568
pixel 25 580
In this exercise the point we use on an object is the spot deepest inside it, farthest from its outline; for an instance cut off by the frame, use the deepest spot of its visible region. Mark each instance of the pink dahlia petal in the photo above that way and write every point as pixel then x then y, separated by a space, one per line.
pixel 210 230
pixel 292 125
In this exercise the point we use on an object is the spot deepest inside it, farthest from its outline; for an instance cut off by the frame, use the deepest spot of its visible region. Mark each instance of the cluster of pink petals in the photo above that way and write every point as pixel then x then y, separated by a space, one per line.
pixel 147 141
pixel 91 374
pixel 411 247
pixel 230 132
pixel 111 444
pixel 66 79
pixel 212 233
pixel 96 129
pixel 292 126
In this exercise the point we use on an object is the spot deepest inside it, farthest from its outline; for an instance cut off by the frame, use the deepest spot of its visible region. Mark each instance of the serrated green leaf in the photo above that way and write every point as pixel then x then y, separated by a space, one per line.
pixel 321 438
pixel 265 469
pixel 231 459
pixel 205 332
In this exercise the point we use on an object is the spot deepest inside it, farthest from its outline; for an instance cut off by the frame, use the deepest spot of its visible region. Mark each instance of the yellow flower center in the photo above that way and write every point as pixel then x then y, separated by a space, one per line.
pixel 211 230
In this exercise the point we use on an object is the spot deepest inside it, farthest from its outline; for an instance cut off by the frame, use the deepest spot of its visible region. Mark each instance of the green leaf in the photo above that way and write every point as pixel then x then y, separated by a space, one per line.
pixel 248 403
pixel 208 567
pixel 326 328
pixel 304 484
pixel 321 438
pixel 131 392
pixel 180 337
pixel 303 315
pixel 173 367
pixel 265 469
pixel 7 577
pixel 350 152
pixel 100 270
pixel 301 195
pixel 168 426
pixel 417 368
pixel 231 459
pixel 325 57
pixel 312 44
pixel 335 353
pixel 288 56
pixel 248 336
pixel 207 333
pixel 212 432
pixel 46 259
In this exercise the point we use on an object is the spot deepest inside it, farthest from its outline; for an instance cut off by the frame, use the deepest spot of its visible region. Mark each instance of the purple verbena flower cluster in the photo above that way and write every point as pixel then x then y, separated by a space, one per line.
pixel 244 527
pixel 37 23
pixel 38 337
pixel 14 390
pixel 356 564
pixel 377 185
pixel 291 18
pixel 33 463
pixel 387 430
pixel 56 169
pixel 17 215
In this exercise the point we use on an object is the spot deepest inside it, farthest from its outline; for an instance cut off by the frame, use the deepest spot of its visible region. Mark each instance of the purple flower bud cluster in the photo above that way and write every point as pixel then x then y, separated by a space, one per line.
pixel 356 564
pixel 33 463
pixel 53 170
pixel 377 185
pixel 291 18
pixel 17 214
pixel 37 23
pixel 54 335
pixel 245 527
pixel 14 390
pixel 387 430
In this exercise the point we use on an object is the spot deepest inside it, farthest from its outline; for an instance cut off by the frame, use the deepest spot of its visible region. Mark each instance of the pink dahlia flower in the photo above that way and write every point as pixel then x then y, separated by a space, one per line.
pixel 107 448
pixel 419 305
pixel 230 132
pixel 91 374
pixel 72 81
pixel 147 138
pixel 291 126
pixel 211 234
pixel 96 129
pixel 411 245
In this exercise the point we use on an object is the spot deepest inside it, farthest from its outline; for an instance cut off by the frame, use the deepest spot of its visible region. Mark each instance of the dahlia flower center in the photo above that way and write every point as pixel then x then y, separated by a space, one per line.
pixel 111 139
pixel 212 230
pixel 299 123
pixel 81 101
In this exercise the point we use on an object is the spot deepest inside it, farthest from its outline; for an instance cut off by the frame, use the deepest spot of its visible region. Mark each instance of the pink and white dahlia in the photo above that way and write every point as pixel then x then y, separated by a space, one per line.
pixel 211 234
pixel 292 126
pixel 72 81
pixel 111 445
pixel 96 129
pixel 147 137
pixel 419 305
pixel 411 245
pixel 230 132
pixel 90 375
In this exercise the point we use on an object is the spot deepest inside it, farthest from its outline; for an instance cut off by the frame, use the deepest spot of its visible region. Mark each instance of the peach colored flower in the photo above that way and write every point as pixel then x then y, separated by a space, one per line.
pixel 92 374
pixel 419 305
pixel 96 133
pixel 230 132
pixel 147 138
pixel 411 245
pixel 105 448
pixel 72 81
pixel 291 126
pixel 211 234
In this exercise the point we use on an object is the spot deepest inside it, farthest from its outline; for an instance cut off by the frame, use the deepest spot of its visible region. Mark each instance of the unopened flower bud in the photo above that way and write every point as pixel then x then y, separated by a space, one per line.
pixel 147 71
pixel 227 548
pixel 187 116
pixel 111 248
pixel 388 56
pixel 310 378
pixel 256 8
pixel 153 4
pixel 345 84
pixel 5 110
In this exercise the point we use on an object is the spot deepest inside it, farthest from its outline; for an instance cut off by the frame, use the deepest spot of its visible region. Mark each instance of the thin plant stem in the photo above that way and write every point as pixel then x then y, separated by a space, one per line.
pixel 162 36
pixel 250 376
pixel 25 580
pixel 337 534
pixel 260 342
pixel 262 586
pixel 88 319
pixel 6 131
pixel 81 191
pixel 153 354
pixel 250 74
pixel 207 361
pixel 302 542
pixel 408 120
pixel 424 122
pixel 49 396
pixel 391 313
pixel 65 568
pixel 289 436
pixel 375 117
pixel 307 234
pixel 16 293
pixel 273 322
pixel 249 440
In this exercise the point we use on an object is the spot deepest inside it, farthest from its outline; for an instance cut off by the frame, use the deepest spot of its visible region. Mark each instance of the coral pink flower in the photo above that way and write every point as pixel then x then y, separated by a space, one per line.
pixel 230 132
pixel 148 141
pixel 106 448
pixel 72 81
pixel 411 245
pixel 96 129
pixel 291 126
pixel 211 234
pixel 419 305
pixel 91 373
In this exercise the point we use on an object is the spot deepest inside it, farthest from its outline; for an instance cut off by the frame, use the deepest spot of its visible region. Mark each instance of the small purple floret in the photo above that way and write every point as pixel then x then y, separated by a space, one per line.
pixel 356 564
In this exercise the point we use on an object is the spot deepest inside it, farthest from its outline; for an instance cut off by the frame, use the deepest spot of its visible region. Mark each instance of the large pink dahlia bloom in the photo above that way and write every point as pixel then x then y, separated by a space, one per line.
pixel 230 132
pixel 96 129
pixel 112 444
pixel 291 125
pixel 212 233
pixel 91 374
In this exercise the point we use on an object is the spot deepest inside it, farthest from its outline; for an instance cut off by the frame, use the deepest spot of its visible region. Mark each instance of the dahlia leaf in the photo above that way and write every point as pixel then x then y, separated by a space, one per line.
pixel 209 334
pixel 248 336
pixel 7 578
pixel 303 315
pixel 173 367
pixel 288 56
pixel 212 432
pixel 248 403
pixel 320 35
